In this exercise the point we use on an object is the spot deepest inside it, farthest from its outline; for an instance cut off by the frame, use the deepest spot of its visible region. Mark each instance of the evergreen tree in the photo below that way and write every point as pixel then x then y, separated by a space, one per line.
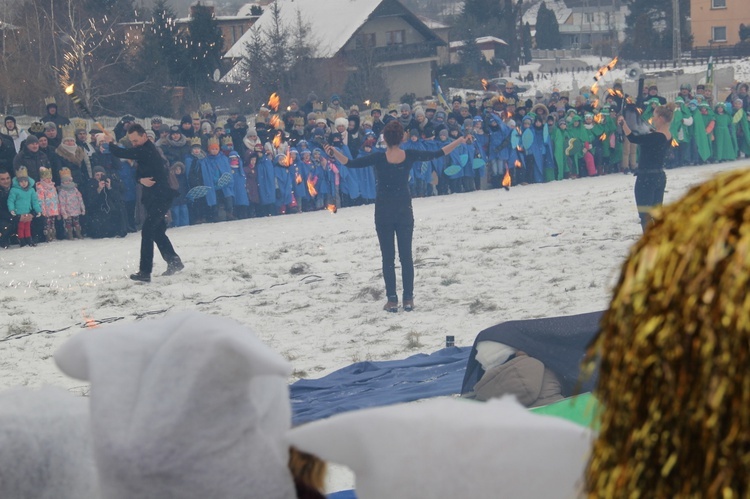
pixel 527 43
pixel 204 48
pixel 649 29
pixel 164 48
pixel 547 29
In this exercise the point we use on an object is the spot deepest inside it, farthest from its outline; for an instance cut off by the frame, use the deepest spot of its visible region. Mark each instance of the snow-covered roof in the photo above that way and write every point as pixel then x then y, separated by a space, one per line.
pixel 432 24
pixel 333 21
pixel 558 7
pixel 479 41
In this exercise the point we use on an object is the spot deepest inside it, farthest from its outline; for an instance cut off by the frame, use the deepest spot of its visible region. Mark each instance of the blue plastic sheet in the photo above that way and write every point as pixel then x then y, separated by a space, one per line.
pixel 375 384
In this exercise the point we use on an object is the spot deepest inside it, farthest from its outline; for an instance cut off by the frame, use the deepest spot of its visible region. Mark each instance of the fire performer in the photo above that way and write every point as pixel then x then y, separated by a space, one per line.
pixel 393 210
pixel 651 181
pixel 157 199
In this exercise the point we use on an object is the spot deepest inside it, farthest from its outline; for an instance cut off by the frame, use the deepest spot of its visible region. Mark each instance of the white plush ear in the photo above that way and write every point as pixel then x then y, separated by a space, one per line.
pixel 188 406
pixel 45 446
pixel 449 448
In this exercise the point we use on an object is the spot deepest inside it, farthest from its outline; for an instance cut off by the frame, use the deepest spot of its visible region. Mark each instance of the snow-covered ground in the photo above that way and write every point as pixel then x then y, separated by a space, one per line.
pixel 310 284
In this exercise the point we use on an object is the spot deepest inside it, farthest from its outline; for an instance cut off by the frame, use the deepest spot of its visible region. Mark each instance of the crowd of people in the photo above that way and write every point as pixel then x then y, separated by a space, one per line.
pixel 276 161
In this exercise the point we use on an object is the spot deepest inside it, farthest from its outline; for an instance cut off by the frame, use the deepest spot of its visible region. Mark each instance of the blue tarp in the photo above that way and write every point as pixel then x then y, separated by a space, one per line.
pixel 374 384
pixel 343 494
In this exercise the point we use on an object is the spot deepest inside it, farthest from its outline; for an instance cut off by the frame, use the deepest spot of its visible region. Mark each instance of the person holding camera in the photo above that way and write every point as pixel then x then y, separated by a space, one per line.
pixel 103 210
pixel 393 210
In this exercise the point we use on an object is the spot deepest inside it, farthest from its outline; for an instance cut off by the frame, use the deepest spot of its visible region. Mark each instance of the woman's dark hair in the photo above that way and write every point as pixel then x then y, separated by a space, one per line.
pixel 393 133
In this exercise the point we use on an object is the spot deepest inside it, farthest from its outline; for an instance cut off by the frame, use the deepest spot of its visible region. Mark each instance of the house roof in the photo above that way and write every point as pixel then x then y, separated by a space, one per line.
pixel 558 7
pixel 479 41
pixel 333 22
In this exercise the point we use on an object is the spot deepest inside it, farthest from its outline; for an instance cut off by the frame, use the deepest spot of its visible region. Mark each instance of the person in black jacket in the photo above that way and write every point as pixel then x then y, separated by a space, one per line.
pixel 393 211
pixel 157 199
pixel 8 222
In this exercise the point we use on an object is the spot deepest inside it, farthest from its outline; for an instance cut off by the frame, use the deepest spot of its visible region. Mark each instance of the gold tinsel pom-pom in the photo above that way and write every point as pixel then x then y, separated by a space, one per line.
pixel 674 354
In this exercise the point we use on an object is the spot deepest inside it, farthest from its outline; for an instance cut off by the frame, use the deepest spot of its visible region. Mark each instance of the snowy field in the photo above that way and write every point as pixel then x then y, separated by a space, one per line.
pixel 310 284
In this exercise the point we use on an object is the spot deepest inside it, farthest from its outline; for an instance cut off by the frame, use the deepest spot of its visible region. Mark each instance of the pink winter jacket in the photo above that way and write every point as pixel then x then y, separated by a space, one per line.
pixel 47 193
pixel 71 201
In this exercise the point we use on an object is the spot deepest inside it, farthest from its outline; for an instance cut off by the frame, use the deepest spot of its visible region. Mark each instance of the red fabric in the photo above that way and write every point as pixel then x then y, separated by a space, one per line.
pixel 24 229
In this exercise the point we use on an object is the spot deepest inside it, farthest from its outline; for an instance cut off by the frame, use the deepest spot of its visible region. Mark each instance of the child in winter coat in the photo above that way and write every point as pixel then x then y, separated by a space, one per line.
pixel 71 204
pixel 179 208
pixel 47 193
pixel 24 203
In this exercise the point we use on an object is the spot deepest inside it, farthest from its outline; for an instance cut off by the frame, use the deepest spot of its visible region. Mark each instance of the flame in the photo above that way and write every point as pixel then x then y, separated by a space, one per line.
pixel 640 111
pixel 595 88
pixel 70 89
pixel 274 121
pixel 298 178
pixel 506 179
pixel 520 148
pixel 603 137
pixel 332 208
pixel 619 93
pixel 273 102
pixel 604 70
pixel 501 98
pixel 518 163
pixel 288 159
pixel 277 140
pixel 367 103
pixel 599 118
pixel 650 121
pixel 675 143
pixel 311 188
pixel 90 321
pixel 485 83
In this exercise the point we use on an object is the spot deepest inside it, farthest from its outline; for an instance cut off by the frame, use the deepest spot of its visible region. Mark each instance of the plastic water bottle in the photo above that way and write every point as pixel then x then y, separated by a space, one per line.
pixel 449 341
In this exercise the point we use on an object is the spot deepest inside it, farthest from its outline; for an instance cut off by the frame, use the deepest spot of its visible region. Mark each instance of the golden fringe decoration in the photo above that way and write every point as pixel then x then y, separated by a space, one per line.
pixel 674 353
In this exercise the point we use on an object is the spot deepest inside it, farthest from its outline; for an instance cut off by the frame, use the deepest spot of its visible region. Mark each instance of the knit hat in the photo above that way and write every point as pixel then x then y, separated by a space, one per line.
pixel 186 119
pixel 32 139
pixel 419 112
pixel 11 118
pixel 341 121
pixel 335 97
pixel 404 107
pixel 99 169
pixel 175 129
pixel 251 132
pixel 50 125
pixel 65 174
pixel 45 172
pixel 22 173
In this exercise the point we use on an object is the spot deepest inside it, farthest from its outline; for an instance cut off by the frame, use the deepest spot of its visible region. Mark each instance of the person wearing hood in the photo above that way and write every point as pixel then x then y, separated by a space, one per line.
pixel 239 181
pixel 213 167
pixel 53 116
pixel 186 127
pixel 10 128
pixel 349 192
pixel 121 195
pixel 198 208
pixel 238 131
pixel 104 204
pixel 32 158
pixel 354 134
pixel 24 204
pixel 175 146
pixel 334 109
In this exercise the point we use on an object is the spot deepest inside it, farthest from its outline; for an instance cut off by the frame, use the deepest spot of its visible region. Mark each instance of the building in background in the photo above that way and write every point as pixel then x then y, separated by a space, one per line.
pixel 716 23
pixel 403 46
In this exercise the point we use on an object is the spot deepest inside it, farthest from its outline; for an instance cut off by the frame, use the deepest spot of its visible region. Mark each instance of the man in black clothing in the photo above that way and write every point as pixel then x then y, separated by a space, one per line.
pixel 157 199
pixel 7 221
